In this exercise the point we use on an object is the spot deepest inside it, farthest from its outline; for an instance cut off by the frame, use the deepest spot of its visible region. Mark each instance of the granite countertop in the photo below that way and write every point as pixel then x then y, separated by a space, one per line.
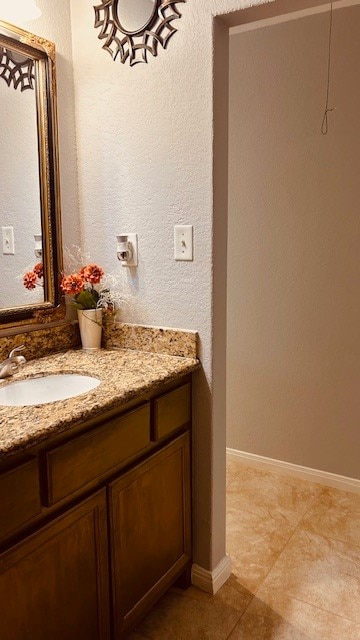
pixel 125 375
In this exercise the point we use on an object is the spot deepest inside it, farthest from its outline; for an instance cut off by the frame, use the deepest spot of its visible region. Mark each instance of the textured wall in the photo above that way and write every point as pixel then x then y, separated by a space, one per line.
pixel 294 238
pixel 145 142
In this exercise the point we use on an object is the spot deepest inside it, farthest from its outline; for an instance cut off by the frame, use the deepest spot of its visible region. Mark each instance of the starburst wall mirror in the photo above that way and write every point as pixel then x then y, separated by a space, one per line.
pixel 133 29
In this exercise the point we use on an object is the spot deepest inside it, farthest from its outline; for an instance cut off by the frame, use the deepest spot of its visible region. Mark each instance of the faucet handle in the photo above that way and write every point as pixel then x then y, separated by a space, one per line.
pixel 15 351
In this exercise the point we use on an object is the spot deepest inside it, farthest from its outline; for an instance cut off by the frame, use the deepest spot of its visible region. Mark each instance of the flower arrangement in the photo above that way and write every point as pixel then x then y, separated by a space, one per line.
pixel 34 278
pixel 84 286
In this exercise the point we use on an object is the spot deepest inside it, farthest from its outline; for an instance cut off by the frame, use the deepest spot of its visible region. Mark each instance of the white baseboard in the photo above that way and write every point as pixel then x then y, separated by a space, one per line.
pixel 211 581
pixel 305 473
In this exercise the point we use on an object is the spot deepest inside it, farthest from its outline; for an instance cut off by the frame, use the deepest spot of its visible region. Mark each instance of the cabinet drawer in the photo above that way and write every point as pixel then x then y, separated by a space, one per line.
pixel 88 457
pixel 19 496
pixel 171 411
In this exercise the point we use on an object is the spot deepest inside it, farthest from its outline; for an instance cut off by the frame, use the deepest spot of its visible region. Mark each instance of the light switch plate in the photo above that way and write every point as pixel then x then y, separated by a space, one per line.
pixel 8 244
pixel 183 242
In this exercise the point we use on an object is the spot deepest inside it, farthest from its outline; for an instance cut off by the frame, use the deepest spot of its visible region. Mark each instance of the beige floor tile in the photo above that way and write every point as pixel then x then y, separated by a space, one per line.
pixel 297 545
pixel 288 619
pixel 335 514
pixel 231 468
pixel 191 614
pixel 323 572
pixel 282 497
pixel 254 542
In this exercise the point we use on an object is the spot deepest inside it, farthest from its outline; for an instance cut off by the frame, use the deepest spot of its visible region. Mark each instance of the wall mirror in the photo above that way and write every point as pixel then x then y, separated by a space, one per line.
pixel 133 29
pixel 29 187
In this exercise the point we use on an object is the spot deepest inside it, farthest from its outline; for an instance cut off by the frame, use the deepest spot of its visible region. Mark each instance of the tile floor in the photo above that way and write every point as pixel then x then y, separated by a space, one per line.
pixel 295 549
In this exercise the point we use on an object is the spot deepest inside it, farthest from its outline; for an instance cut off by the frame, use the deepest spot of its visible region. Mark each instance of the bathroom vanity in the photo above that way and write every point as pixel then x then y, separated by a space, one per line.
pixel 95 499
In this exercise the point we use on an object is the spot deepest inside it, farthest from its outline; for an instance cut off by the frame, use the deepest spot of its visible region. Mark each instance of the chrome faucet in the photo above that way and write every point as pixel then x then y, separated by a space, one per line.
pixel 12 363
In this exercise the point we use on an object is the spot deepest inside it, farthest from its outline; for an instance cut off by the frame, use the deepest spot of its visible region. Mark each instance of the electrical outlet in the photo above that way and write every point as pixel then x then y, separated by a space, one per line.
pixel 8 244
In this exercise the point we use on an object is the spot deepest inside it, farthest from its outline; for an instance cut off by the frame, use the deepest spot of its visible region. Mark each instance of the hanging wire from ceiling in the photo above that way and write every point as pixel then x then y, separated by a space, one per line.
pixel 325 121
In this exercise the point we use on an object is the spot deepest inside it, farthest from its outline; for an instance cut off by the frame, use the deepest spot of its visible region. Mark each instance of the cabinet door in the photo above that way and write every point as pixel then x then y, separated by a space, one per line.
pixel 54 585
pixel 150 531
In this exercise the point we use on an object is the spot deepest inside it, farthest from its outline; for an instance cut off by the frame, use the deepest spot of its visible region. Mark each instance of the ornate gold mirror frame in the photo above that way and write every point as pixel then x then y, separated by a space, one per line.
pixel 128 41
pixel 37 67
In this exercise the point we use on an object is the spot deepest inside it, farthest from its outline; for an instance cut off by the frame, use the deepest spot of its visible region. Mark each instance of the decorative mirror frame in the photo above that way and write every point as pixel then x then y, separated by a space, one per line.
pixel 42 52
pixel 136 45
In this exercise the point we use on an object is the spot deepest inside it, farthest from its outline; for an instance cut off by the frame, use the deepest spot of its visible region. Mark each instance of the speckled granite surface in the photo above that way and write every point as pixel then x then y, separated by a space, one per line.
pixel 124 374
pixel 173 342
pixel 41 342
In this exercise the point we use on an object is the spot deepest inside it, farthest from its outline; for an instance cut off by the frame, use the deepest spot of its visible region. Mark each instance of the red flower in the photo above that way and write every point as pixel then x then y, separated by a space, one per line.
pixel 72 284
pixel 92 273
pixel 29 280
pixel 39 270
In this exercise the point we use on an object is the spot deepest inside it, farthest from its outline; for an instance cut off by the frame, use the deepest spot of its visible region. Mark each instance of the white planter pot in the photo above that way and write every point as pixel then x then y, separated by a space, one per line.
pixel 90 325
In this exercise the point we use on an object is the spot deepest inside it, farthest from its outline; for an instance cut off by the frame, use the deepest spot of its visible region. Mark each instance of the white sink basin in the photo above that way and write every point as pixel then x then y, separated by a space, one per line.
pixel 41 390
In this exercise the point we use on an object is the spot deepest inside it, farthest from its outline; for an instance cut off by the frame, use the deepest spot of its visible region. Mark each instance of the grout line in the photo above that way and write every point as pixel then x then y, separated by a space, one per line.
pixel 295 528
pixel 349 544
pixel 299 526
pixel 240 617
pixel 333 613
pixel 273 564
pixel 275 561
pixel 287 542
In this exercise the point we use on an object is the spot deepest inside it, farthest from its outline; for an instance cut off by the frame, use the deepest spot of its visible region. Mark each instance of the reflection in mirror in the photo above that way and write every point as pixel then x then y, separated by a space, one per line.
pixel 30 240
pixel 134 16
pixel 20 205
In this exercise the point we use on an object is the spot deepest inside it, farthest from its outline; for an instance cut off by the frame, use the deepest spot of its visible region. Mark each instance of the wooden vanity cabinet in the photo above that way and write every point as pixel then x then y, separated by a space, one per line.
pixel 19 495
pixel 54 584
pixel 103 535
pixel 150 531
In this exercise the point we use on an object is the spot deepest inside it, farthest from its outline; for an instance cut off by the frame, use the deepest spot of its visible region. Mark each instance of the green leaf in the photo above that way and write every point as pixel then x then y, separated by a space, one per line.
pixel 95 295
pixel 85 300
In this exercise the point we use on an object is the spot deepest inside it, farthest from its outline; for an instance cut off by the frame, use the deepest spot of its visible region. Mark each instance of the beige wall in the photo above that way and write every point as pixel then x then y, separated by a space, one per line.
pixel 294 240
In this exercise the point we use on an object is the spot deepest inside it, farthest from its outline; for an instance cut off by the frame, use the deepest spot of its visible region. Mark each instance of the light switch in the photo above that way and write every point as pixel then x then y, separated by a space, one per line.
pixel 8 244
pixel 183 242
